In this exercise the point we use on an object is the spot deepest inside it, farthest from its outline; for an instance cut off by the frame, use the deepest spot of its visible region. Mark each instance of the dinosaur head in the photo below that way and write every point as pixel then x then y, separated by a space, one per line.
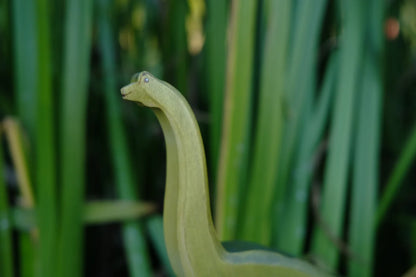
pixel 138 90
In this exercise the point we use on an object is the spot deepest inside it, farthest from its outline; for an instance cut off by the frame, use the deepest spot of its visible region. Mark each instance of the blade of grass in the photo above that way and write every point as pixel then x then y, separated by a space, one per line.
pixel 257 224
pixel 235 142
pixel 29 237
pixel 362 228
pixel 25 62
pixel 6 249
pixel 134 240
pixel 25 44
pixel 155 230
pixel 27 255
pixel 45 147
pixel 292 234
pixel 14 136
pixel 298 99
pixel 176 47
pixel 364 185
pixel 216 27
pixel 407 156
pixel 336 168
pixel 27 251
pixel 95 212
pixel 25 86
pixel 72 134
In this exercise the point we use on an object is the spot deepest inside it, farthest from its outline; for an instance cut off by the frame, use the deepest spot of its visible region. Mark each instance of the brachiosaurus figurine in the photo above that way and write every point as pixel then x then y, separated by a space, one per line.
pixel 192 245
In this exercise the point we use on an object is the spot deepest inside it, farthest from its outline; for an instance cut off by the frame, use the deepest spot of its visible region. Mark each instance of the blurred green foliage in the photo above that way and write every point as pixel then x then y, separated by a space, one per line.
pixel 307 110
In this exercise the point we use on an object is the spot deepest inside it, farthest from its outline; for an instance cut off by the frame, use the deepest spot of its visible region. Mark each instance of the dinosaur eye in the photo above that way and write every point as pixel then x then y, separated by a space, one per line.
pixel 146 80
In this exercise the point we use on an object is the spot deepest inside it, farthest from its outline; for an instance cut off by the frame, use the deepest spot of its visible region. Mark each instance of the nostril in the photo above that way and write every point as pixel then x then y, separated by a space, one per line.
pixel 124 91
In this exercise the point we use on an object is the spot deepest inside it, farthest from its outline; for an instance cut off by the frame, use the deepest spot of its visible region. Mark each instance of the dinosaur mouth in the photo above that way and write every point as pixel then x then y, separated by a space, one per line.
pixel 125 92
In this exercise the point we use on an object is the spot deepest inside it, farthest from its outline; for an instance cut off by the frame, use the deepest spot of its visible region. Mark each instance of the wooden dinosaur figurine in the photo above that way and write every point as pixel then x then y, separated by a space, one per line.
pixel 191 241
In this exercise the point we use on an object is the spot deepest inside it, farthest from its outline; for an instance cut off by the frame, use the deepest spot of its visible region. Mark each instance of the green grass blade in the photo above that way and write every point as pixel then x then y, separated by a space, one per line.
pixel 45 148
pixel 235 142
pixel 336 168
pixel 217 12
pixel 362 228
pixel 27 255
pixel 98 212
pixel 27 251
pixel 72 134
pixel 134 240
pixel 298 103
pixel 25 62
pixel 407 156
pixel 95 212
pixel 292 234
pixel 155 229
pixel 364 186
pixel 6 249
pixel 176 50
pixel 26 88
pixel 257 224
pixel 15 139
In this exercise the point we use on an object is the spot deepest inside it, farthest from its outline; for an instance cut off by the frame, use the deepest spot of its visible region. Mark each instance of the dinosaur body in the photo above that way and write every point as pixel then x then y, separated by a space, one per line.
pixel 191 240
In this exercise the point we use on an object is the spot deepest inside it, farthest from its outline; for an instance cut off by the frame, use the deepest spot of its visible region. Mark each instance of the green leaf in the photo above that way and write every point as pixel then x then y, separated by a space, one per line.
pixel 95 212
pixel 256 220
pixel 306 23
pixel 233 163
pixel 72 110
pixel 365 183
pixel 395 179
pixel 25 62
pixel 365 171
pixel 6 240
pixel 292 234
pixel 337 165
pixel 45 146
pixel 215 48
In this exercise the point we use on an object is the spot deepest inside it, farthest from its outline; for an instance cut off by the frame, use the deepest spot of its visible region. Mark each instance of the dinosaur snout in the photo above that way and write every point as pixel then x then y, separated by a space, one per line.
pixel 126 91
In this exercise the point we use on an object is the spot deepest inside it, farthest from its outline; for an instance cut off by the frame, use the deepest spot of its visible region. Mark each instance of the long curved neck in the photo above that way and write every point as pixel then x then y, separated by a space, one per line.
pixel 189 232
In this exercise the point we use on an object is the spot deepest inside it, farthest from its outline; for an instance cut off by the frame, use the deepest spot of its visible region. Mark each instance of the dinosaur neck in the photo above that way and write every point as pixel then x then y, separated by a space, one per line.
pixel 187 215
